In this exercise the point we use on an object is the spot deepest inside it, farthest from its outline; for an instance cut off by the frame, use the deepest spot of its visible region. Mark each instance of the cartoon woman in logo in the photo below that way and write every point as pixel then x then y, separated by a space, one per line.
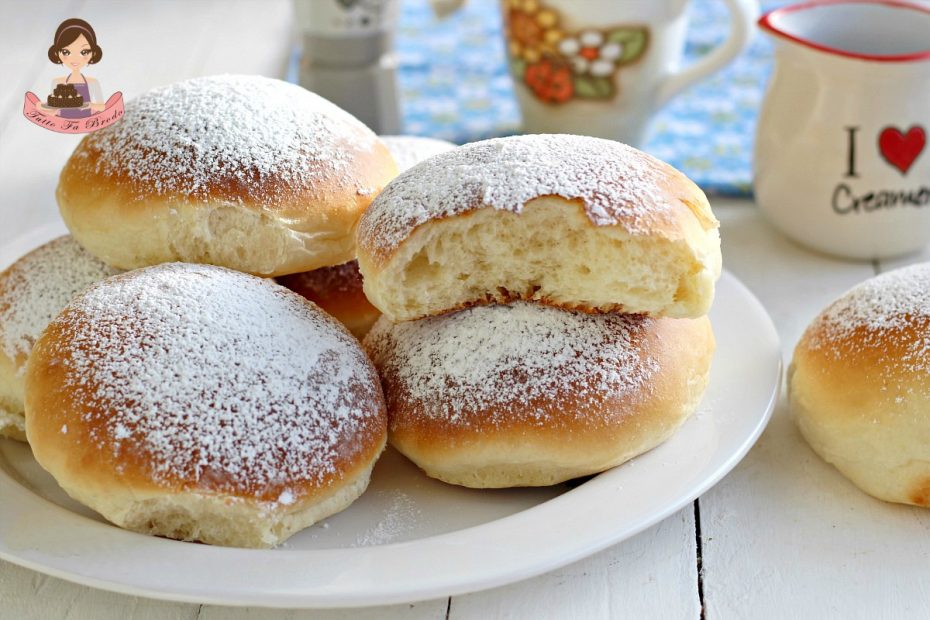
pixel 75 47
pixel 76 104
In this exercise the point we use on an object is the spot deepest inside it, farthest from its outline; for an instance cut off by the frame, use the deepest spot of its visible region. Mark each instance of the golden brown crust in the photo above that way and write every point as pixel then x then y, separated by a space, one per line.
pixel 280 189
pixel 75 455
pixel 522 437
pixel 599 417
pixel 920 493
pixel 859 385
pixel 99 438
pixel 338 291
pixel 504 296
pixel 129 227
pixel 332 195
pixel 862 365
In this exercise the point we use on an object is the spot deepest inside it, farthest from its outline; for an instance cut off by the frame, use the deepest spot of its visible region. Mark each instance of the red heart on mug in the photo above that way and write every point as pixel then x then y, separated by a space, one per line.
pixel 901 149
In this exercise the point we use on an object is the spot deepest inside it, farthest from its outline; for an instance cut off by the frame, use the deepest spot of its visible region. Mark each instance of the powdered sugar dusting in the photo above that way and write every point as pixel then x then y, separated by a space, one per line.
pixel 408 151
pixel 617 184
pixel 38 286
pixel 892 308
pixel 223 380
pixel 488 358
pixel 230 134
pixel 398 519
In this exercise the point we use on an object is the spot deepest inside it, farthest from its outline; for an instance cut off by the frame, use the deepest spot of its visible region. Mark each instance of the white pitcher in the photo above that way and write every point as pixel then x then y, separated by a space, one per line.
pixel 842 163
pixel 605 67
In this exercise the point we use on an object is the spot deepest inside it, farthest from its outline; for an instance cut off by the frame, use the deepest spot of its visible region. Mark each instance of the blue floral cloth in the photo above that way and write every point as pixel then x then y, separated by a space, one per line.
pixel 455 85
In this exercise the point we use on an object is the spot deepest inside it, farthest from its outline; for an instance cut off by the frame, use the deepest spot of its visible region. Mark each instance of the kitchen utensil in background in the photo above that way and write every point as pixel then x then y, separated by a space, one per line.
pixel 841 161
pixel 603 68
pixel 348 57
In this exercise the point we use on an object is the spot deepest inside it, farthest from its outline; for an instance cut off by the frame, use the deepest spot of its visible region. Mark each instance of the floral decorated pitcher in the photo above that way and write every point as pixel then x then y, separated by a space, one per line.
pixel 604 67
pixel 841 160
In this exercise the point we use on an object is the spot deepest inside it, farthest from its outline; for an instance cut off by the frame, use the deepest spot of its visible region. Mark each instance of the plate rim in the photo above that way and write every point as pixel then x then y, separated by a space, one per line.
pixel 437 586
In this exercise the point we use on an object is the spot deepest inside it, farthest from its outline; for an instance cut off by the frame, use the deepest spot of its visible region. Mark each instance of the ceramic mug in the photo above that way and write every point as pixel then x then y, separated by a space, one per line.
pixel 841 161
pixel 604 67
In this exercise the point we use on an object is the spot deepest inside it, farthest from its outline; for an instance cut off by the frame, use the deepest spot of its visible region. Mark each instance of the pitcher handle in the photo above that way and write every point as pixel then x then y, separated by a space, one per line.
pixel 743 16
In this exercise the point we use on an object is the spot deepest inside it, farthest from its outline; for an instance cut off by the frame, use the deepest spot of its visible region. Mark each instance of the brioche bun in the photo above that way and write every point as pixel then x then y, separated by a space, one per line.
pixel 859 385
pixel 200 403
pixel 241 171
pixel 33 290
pixel 569 221
pixel 529 395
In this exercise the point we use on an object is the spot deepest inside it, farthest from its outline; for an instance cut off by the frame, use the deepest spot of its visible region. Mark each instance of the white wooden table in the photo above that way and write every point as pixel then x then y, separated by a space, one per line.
pixel 783 536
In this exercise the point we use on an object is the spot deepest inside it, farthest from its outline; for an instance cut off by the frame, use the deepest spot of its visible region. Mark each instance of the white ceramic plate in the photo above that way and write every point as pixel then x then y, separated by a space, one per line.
pixel 409 537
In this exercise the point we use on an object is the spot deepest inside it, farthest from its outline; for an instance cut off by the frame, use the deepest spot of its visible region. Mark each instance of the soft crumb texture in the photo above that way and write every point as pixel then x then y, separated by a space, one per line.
pixel 489 365
pixel 38 286
pixel 228 135
pixel 408 151
pixel 217 380
pixel 549 254
pixel 617 184
pixel 568 221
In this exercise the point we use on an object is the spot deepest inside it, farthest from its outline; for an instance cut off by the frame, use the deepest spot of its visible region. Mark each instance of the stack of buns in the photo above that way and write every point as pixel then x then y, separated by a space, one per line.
pixel 181 362
pixel 338 289
pixel 544 302
pixel 187 400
